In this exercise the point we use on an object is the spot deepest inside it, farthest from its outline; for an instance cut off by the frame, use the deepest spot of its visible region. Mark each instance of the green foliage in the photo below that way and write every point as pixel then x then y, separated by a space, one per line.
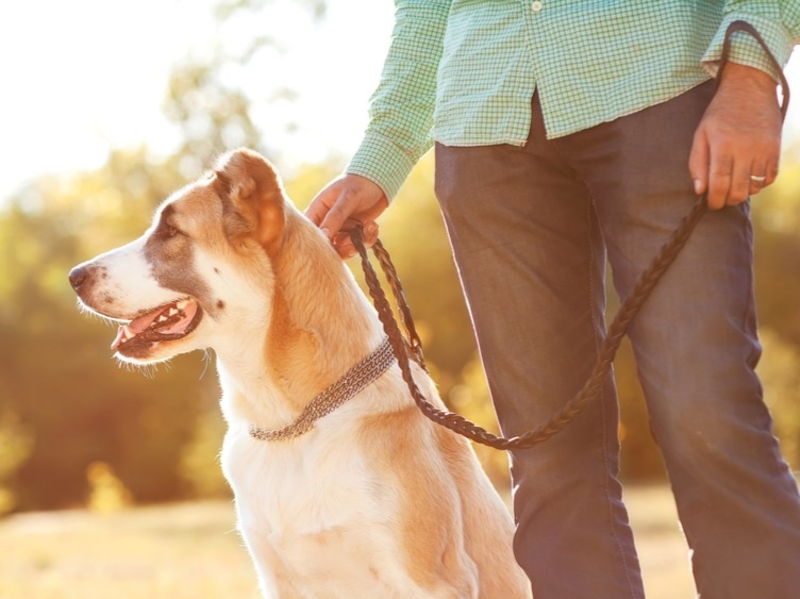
pixel 776 219
pixel 211 116
pixel 15 447
pixel 779 370
pixel 199 462
pixel 55 371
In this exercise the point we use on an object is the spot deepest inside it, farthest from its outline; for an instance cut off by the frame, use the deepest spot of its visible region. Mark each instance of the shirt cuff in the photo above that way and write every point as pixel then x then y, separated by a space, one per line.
pixel 744 47
pixel 383 162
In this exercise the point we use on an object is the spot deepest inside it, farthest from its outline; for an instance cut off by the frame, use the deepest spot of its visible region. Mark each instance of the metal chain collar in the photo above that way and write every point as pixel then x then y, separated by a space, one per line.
pixel 353 381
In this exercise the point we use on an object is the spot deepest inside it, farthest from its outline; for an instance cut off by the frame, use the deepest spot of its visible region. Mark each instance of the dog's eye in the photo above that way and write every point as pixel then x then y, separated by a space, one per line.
pixel 168 230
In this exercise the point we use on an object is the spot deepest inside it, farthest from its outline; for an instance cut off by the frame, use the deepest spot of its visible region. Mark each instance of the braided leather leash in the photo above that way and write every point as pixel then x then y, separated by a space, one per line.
pixel 591 390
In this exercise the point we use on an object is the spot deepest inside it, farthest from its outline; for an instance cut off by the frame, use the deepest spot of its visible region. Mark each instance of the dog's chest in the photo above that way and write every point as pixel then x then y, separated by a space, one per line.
pixel 315 515
pixel 301 491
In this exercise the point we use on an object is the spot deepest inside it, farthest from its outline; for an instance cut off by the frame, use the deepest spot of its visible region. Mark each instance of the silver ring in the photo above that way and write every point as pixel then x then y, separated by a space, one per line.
pixel 757 178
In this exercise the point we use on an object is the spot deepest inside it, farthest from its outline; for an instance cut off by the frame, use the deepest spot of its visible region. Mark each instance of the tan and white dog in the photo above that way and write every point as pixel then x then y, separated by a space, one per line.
pixel 374 500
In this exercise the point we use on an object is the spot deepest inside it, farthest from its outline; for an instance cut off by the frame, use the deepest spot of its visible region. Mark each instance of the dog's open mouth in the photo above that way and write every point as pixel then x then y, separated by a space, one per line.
pixel 165 323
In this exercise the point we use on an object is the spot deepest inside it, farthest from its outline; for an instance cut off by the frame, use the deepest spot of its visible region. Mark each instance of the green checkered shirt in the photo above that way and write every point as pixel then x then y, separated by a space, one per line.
pixel 462 72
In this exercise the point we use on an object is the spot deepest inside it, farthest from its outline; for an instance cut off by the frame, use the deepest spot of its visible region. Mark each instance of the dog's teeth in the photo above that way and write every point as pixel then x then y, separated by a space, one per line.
pixel 182 304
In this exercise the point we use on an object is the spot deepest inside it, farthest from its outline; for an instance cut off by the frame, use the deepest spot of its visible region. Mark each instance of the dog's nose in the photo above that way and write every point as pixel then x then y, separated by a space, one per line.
pixel 77 276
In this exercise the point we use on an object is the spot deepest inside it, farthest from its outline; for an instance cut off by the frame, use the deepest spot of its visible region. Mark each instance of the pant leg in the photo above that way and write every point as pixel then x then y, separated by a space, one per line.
pixel 531 262
pixel 696 348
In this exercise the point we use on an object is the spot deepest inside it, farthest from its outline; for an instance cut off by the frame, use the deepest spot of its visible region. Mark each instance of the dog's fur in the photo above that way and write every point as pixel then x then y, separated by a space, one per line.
pixel 375 501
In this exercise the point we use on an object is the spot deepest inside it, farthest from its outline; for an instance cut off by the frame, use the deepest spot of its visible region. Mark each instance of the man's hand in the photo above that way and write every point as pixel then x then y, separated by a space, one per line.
pixel 736 147
pixel 345 201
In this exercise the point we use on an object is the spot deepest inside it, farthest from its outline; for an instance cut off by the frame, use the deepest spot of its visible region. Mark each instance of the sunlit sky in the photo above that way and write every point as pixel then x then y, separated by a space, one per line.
pixel 81 76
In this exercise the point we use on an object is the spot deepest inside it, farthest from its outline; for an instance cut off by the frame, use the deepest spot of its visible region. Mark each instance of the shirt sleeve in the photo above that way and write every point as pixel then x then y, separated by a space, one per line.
pixel 778 22
pixel 401 108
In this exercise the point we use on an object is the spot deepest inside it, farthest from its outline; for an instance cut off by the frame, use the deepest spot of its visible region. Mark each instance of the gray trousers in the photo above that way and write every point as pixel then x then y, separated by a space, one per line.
pixel 530 229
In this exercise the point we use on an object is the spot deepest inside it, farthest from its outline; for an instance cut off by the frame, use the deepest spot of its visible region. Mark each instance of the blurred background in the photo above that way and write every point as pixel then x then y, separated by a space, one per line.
pixel 109 107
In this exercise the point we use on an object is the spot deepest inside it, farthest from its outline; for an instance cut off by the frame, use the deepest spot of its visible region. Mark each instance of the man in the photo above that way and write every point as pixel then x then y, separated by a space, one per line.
pixel 563 132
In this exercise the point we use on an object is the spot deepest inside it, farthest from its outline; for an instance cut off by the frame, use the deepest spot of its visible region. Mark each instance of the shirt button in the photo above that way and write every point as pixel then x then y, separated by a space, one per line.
pixel 536 6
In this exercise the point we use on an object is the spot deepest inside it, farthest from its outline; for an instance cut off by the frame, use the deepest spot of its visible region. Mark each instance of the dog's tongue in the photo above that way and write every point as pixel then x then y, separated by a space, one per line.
pixel 135 327
pixel 121 336
pixel 142 323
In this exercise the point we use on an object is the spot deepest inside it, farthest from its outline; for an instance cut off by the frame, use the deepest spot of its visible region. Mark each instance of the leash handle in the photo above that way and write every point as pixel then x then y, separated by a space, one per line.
pixel 746 27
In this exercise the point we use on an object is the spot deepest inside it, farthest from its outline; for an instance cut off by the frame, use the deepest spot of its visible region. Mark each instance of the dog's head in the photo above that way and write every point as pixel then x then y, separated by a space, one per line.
pixel 198 267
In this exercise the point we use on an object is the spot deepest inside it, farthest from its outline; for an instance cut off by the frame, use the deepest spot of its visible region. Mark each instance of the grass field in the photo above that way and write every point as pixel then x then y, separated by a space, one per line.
pixel 191 551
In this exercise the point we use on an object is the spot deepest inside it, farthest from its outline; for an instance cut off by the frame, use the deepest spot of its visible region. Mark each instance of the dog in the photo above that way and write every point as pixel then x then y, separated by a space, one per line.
pixel 369 499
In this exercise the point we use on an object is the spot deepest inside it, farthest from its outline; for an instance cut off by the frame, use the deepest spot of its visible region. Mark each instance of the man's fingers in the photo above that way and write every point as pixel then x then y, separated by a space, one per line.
pixel 339 212
pixel 316 212
pixel 347 202
pixel 738 137
pixel 698 162
pixel 344 244
pixel 715 171
pixel 323 202
pixel 772 172
pixel 763 175
pixel 773 166
pixel 371 230
pixel 720 174
pixel 758 177
pixel 740 181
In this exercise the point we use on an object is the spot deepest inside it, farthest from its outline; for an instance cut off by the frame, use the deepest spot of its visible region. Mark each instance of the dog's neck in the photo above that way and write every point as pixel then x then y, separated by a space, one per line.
pixel 319 325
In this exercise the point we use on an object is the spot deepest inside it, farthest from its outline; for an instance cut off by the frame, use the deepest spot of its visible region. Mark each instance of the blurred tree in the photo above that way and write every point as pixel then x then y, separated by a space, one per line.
pixel 780 373
pixel 776 219
pixel 199 466
pixel 210 97
pixel 106 492
pixel 54 366
pixel 15 447
pixel 211 116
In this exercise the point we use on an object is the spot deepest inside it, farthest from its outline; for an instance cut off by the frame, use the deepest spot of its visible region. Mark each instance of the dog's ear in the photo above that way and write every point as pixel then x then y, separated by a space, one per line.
pixel 253 198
